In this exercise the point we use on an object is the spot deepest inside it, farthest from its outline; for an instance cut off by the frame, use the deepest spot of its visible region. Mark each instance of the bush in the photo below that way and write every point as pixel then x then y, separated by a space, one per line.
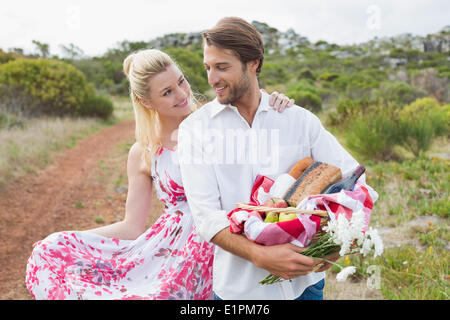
pixel 347 109
pixel 14 101
pixel 373 135
pixel 58 87
pixel 303 85
pixel 97 106
pixel 308 100
pixel 420 122
pixel 400 92
pixel 375 132
pixel 7 56
pixel 328 76
pixel 305 95
pixel 306 74
pixel 44 86
pixel 273 73
pixel 429 81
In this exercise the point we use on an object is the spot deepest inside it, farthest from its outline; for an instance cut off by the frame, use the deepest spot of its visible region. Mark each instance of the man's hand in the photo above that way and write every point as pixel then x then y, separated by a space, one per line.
pixel 285 260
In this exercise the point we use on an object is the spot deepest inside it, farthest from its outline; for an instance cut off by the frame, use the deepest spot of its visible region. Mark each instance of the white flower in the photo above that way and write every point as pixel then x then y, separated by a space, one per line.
pixel 358 222
pixel 372 241
pixel 349 234
pixel 366 246
pixel 342 276
pixel 378 243
pixel 343 234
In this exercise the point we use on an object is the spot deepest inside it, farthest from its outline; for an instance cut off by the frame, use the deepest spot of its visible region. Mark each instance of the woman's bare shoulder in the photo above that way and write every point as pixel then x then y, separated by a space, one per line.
pixel 135 161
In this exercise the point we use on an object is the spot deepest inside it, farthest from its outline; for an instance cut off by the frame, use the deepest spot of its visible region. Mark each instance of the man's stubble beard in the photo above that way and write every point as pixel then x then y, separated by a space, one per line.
pixel 236 92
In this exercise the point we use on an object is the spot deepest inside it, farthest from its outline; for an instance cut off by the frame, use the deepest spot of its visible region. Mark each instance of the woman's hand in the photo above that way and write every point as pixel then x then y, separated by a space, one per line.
pixel 279 101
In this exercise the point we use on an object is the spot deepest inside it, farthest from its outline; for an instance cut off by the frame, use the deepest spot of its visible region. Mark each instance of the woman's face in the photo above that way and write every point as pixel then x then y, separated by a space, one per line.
pixel 170 93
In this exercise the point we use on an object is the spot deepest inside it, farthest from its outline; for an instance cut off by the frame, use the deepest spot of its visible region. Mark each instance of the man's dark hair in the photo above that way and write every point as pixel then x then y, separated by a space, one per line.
pixel 238 36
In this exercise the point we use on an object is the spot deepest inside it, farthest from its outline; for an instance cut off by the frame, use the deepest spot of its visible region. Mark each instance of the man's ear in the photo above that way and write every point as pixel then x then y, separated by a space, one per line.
pixel 253 65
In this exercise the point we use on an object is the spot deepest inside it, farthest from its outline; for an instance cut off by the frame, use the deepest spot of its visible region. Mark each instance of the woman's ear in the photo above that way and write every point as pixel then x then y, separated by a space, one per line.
pixel 146 104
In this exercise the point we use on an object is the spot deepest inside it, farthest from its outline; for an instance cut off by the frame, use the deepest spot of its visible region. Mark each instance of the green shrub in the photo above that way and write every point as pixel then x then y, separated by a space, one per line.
pixel 273 73
pixel 14 101
pixel 7 56
pixel 306 74
pixel 58 87
pixel 420 122
pixel 373 135
pixel 36 87
pixel 308 100
pixel 375 132
pixel 97 106
pixel 400 92
pixel 429 81
pixel 328 76
pixel 348 108
pixel 305 95
pixel 417 136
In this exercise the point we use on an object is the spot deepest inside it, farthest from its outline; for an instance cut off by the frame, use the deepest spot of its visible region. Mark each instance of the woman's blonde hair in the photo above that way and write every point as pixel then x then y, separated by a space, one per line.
pixel 140 67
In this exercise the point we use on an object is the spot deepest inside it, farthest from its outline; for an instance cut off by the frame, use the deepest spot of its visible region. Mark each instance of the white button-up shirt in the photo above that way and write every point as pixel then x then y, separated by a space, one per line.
pixel 220 157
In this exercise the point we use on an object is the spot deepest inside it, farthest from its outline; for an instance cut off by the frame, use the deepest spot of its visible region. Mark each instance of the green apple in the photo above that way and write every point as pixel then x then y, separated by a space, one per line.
pixel 271 217
pixel 287 216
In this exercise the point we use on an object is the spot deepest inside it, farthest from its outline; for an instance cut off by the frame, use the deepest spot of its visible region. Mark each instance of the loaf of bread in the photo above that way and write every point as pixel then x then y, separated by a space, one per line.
pixel 314 180
pixel 298 169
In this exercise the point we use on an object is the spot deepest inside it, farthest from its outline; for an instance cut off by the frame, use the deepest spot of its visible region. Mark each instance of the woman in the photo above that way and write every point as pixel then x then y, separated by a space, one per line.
pixel 123 260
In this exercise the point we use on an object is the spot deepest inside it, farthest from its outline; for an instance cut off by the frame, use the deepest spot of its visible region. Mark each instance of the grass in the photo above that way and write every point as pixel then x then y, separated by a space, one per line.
pixel 31 146
pixel 123 108
pixel 412 193
pixel 99 220
pixel 79 205
pixel 408 273
pixel 411 188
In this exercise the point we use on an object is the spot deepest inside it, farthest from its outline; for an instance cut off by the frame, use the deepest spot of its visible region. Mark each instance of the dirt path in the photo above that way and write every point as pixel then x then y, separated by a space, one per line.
pixel 83 188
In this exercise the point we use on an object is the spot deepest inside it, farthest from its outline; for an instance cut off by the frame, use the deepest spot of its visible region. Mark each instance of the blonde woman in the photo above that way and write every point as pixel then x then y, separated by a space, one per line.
pixel 123 260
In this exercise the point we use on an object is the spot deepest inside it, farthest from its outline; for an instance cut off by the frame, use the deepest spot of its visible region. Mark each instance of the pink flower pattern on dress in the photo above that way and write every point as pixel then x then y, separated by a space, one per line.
pixel 168 261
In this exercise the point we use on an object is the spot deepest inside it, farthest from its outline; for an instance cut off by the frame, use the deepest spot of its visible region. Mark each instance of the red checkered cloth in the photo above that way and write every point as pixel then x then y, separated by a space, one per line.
pixel 298 231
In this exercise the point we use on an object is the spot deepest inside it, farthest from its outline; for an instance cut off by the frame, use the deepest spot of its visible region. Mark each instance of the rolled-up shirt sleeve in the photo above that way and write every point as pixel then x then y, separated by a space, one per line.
pixel 200 185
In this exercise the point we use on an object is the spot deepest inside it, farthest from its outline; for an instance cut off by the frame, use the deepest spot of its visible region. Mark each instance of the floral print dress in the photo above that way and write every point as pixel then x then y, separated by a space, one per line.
pixel 168 261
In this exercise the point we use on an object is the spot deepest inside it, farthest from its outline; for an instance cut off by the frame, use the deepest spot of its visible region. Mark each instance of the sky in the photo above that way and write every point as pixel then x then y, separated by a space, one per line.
pixel 96 25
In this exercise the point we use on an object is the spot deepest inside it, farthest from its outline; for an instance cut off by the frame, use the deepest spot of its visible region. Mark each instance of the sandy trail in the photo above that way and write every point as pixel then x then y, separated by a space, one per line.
pixel 67 195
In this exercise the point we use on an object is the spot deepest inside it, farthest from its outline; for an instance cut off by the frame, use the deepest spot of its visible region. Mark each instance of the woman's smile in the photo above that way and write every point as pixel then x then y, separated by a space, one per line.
pixel 182 104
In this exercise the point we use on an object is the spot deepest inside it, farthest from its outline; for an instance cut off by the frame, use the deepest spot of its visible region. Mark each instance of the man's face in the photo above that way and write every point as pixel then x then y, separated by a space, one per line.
pixel 226 74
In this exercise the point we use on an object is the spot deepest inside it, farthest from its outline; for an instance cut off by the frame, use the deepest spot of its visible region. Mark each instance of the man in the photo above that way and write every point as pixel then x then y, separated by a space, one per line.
pixel 226 144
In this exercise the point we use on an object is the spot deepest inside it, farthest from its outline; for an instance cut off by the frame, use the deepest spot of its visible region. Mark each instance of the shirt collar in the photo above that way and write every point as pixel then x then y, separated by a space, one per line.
pixel 218 107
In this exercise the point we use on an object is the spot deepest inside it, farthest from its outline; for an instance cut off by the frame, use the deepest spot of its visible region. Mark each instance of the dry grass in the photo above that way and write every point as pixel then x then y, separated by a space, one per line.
pixel 31 148
pixel 123 108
